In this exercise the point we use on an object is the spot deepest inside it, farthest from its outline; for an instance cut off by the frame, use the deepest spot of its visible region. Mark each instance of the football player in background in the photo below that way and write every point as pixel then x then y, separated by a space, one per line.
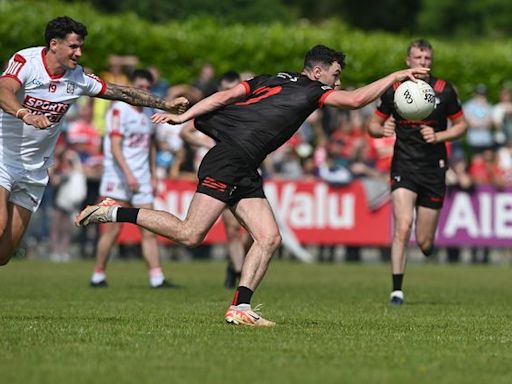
pixel 419 162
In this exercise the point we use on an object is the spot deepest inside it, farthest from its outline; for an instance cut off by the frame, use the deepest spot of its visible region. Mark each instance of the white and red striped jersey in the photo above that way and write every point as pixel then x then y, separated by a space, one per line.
pixel 136 129
pixel 22 145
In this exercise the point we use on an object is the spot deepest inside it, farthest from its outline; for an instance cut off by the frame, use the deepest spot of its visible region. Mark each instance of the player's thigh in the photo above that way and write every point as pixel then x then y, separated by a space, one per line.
pixel 403 203
pixel 203 212
pixel 17 221
pixel 256 216
pixel 426 222
pixel 230 222
pixel 4 201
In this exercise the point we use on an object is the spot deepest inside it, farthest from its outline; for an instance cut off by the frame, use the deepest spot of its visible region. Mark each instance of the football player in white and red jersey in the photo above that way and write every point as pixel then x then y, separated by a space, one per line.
pixel 36 90
pixel 129 178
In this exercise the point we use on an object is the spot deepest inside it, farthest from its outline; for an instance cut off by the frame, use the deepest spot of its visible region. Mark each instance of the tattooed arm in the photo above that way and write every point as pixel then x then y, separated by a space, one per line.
pixel 140 97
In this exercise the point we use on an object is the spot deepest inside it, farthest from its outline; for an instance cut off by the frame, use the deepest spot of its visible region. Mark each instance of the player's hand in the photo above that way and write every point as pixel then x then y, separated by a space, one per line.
pixel 178 105
pixel 154 183
pixel 171 118
pixel 411 73
pixel 37 121
pixel 133 183
pixel 389 127
pixel 428 133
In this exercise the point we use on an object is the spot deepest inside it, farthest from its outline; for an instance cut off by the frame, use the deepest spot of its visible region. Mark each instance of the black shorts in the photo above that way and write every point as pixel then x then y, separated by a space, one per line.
pixel 226 175
pixel 430 187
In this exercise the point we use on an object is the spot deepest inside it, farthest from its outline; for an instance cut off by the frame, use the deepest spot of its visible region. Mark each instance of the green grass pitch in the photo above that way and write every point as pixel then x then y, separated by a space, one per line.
pixel 334 325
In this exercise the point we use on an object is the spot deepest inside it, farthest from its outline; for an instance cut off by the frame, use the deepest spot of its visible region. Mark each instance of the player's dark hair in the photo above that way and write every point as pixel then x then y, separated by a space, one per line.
pixel 421 44
pixel 142 74
pixel 62 26
pixel 320 54
pixel 230 76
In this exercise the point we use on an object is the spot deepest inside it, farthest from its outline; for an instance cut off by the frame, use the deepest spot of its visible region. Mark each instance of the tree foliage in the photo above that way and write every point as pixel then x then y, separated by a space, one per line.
pixel 179 48
pixel 441 18
pixel 226 11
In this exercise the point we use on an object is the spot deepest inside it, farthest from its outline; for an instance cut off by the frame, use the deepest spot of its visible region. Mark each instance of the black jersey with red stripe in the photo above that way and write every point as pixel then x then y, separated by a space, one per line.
pixel 411 152
pixel 273 110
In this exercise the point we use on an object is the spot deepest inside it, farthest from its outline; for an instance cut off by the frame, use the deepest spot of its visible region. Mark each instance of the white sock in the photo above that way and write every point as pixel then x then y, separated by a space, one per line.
pixel 113 214
pixel 98 277
pixel 244 306
pixel 156 277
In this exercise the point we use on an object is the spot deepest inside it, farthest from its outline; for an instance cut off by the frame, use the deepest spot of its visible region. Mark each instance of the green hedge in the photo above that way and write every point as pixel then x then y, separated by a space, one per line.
pixel 179 48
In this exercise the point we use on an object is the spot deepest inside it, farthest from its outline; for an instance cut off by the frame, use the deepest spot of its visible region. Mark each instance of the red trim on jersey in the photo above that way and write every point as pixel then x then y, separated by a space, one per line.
pixel 12 77
pixel 99 80
pixel 381 114
pixel 116 121
pixel 116 134
pixel 321 101
pixel 456 115
pixel 396 84
pixel 53 77
pixel 247 87
pixel 103 87
pixel 15 65
pixel 439 85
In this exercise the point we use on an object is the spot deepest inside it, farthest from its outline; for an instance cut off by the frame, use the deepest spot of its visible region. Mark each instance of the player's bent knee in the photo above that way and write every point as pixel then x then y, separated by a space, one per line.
pixel 192 240
pixel 269 241
pixel 403 231
pixel 425 243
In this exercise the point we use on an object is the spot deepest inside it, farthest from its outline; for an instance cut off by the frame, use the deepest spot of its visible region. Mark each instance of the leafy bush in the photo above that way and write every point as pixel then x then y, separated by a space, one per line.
pixel 180 48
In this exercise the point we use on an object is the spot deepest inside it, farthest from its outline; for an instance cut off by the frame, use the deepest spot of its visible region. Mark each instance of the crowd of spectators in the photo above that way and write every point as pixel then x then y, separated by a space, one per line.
pixel 331 145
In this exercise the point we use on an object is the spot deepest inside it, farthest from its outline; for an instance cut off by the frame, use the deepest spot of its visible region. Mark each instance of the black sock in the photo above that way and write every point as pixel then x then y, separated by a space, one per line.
pixel 127 215
pixel 243 295
pixel 397 281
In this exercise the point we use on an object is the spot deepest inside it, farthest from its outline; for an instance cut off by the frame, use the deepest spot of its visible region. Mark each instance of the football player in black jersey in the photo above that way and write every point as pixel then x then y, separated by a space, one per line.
pixel 248 122
pixel 236 241
pixel 419 162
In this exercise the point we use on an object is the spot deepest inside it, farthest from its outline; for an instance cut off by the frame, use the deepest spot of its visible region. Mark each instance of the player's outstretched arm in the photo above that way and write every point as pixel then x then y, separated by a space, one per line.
pixel 361 96
pixel 140 97
pixel 209 104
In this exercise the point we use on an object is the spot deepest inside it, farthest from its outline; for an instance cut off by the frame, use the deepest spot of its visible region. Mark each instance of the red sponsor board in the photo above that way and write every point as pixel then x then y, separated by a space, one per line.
pixel 316 212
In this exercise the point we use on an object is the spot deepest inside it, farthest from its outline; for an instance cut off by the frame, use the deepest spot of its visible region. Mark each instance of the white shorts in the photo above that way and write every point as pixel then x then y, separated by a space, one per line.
pixel 26 187
pixel 115 187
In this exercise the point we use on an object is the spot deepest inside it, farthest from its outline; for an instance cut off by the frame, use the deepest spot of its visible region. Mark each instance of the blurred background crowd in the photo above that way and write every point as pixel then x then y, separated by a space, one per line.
pixel 331 146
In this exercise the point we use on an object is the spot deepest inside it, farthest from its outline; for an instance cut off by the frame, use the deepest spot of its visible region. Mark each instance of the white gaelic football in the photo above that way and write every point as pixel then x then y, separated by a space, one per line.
pixel 415 100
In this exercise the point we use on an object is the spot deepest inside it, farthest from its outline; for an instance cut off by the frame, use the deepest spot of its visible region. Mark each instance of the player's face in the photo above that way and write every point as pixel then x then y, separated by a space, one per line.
pixel 419 58
pixel 68 51
pixel 330 76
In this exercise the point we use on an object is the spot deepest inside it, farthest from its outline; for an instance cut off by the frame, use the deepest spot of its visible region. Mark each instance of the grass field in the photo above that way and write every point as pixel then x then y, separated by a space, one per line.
pixel 334 326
